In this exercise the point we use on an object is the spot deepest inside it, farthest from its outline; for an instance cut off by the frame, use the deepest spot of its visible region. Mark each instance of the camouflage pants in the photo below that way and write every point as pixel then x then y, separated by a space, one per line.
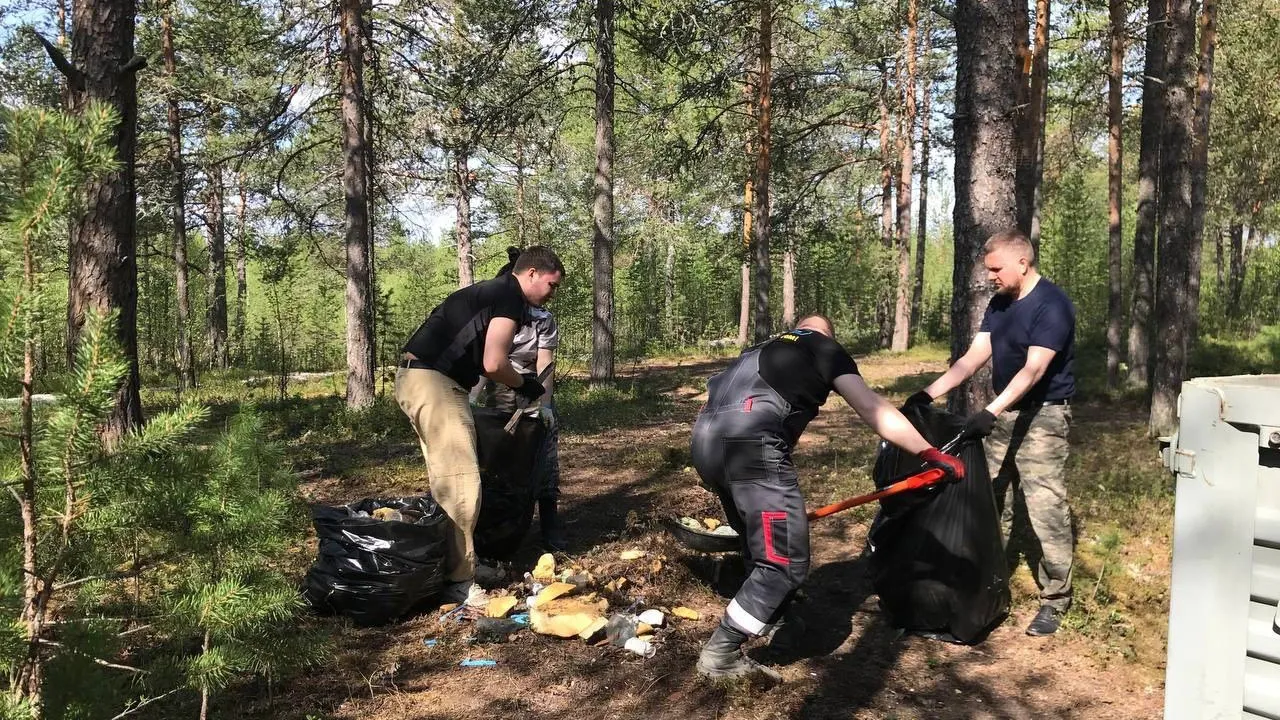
pixel 1027 455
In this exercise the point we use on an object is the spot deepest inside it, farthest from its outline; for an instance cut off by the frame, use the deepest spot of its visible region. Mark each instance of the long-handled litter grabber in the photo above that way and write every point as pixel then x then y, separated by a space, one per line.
pixel 710 542
pixel 919 480
pixel 510 427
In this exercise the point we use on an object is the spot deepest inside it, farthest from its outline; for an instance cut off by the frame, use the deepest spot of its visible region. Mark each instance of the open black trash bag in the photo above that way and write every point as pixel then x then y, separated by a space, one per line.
pixel 375 571
pixel 508 477
pixel 937 560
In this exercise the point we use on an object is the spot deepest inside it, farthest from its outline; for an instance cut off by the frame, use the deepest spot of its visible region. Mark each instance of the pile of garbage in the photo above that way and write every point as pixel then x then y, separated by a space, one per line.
pixel 572 603
pixel 711 525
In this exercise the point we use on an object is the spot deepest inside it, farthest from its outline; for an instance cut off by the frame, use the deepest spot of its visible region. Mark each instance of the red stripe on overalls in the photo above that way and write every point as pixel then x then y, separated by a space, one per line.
pixel 767 518
pixel 746 404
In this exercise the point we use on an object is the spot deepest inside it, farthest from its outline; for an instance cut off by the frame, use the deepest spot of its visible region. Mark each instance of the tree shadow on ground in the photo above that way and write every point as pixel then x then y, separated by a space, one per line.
pixel 908 384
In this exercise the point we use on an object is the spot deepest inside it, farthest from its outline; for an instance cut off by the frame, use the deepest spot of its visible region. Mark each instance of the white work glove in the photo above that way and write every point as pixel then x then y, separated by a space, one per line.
pixel 548 416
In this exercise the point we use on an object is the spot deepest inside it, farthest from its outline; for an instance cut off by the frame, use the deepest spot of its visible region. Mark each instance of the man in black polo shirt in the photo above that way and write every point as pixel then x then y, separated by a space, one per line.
pixel 466 336
pixel 1028 333
pixel 742 442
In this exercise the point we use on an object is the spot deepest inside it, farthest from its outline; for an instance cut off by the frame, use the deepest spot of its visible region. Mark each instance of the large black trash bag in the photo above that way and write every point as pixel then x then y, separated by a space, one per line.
pixel 508 464
pixel 937 560
pixel 375 571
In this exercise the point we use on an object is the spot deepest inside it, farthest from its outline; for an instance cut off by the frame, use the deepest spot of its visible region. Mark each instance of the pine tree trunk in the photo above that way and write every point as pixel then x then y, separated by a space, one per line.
pixel 178 213
pixel 1200 151
pixel 760 220
pixel 922 220
pixel 744 306
pixel 1115 185
pixel 462 206
pixel 1031 150
pixel 789 287
pixel 520 222
pixel 242 271
pixel 907 122
pixel 217 321
pixel 1218 263
pixel 31 672
pixel 1175 298
pixel 1236 283
pixel 669 288
pixel 102 255
pixel 884 296
pixel 359 301
pixel 986 152
pixel 1144 230
pixel 602 242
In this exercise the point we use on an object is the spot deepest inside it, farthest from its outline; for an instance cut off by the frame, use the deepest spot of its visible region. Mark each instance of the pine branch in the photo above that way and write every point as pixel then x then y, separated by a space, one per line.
pixel 75 78
pixel 96 660
pixel 143 703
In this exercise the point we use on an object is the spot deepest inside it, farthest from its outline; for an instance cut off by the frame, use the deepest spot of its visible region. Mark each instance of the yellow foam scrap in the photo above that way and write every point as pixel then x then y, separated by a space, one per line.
pixel 616 585
pixel 447 607
pixel 632 554
pixel 571 605
pixel 553 591
pixel 564 626
pixel 712 523
pixel 656 567
pixel 596 627
pixel 644 629
pixel 566 617
pixel 500 606
pixel 685 613
pixel 546 567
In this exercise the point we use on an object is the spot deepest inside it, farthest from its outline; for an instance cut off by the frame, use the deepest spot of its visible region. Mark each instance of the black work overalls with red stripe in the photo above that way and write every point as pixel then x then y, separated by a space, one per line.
pixel 742 442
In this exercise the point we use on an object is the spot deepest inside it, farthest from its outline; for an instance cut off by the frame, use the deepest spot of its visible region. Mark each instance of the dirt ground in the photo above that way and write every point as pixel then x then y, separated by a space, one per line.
pixel 618 479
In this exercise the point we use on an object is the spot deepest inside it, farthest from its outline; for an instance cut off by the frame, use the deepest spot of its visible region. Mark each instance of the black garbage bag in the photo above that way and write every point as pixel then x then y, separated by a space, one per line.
pixel 508 474
pixel 937 560
pixel 377 571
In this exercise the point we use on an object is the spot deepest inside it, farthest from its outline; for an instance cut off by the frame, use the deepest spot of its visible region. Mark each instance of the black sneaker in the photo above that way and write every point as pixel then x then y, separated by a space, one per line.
pixel 1046 621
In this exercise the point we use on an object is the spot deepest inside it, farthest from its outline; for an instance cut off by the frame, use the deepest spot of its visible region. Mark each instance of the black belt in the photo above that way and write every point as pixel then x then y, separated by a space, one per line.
pixel 1044 403
pixel 415 364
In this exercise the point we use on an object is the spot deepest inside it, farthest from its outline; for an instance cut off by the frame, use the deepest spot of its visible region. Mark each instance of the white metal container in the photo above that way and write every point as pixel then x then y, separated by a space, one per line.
pixel 1224 632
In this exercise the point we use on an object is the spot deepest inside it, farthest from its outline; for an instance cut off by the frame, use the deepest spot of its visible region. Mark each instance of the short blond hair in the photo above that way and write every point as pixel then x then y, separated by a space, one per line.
pixel 812 318
pixel 1013 240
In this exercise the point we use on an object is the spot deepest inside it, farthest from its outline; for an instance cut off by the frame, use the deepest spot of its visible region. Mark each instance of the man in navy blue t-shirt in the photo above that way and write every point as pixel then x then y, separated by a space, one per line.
pixel 1028 334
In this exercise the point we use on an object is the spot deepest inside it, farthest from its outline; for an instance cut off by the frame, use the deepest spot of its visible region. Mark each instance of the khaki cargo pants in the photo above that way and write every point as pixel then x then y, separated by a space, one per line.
pixel 440 413
pixel 1027 455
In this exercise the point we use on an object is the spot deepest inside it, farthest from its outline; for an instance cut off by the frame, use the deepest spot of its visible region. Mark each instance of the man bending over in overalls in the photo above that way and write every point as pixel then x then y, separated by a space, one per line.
pixel 742 443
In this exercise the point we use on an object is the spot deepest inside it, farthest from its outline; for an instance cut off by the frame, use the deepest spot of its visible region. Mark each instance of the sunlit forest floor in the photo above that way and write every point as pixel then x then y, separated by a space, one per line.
pixel 625 464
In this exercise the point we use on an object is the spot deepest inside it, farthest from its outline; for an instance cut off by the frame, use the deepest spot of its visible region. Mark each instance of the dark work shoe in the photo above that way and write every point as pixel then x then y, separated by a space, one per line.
pixel 1046 621
pixel 553 539
pixel 722 658
pixel 786 633
pixel 731 667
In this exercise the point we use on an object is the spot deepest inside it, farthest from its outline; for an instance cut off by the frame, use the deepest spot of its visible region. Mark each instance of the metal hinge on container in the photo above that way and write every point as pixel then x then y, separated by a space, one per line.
pixel 1178 460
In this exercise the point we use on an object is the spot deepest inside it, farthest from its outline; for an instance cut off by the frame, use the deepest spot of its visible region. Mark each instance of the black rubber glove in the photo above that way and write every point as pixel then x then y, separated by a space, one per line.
pixel 978 425
pixel 530 389
pixel 949 464
pixel 918 398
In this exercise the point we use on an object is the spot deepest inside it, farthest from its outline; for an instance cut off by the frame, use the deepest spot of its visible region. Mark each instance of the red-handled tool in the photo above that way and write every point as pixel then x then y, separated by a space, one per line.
pixel 914 482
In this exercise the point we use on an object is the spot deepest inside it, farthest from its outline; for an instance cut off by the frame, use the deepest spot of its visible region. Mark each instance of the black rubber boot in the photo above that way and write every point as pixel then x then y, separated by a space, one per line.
pixel 1046 621
pixel 553 538
pixel 722 658
pixel 787 633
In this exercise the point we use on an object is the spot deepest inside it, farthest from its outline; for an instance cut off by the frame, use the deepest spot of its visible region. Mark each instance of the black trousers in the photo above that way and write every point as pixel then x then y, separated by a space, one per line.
pixel 752 473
